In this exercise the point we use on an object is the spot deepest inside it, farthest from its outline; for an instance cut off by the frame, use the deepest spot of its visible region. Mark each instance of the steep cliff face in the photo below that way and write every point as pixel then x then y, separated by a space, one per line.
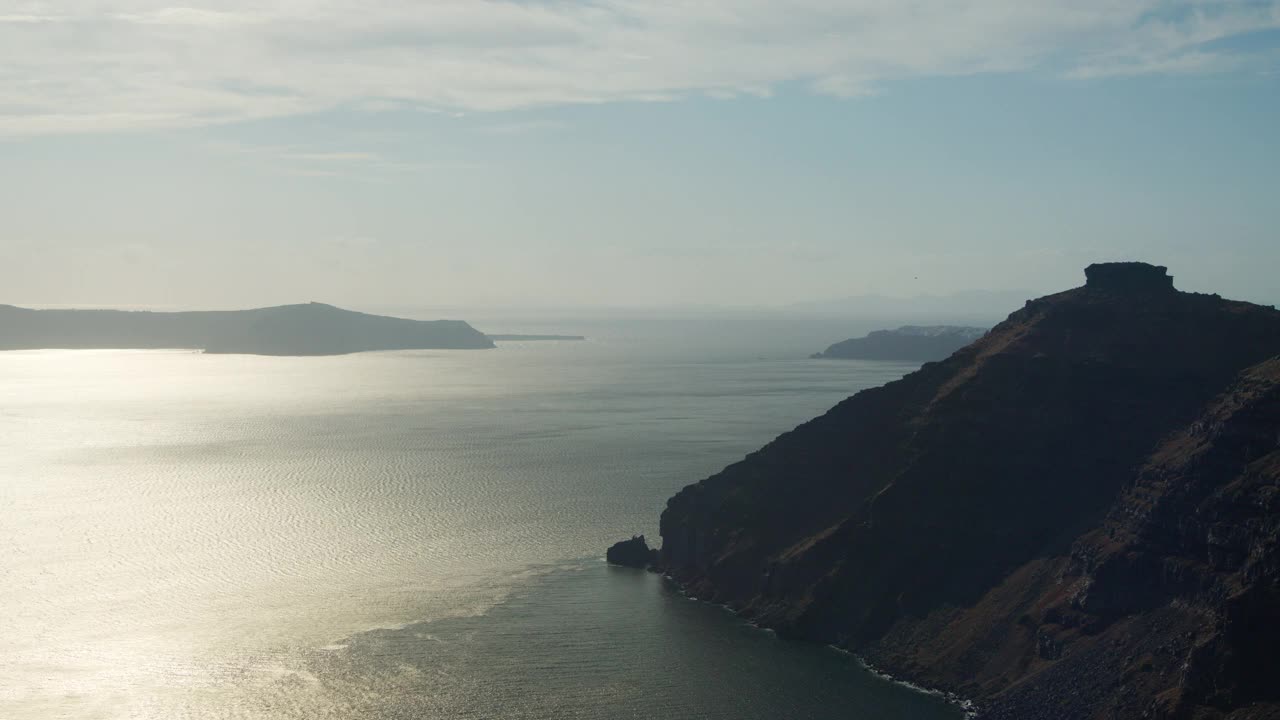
pixel 1169 608
pixel 1003 521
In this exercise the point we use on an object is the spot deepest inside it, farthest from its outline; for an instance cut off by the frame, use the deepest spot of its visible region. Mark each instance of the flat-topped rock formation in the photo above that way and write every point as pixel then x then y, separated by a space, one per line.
pixel 310 329
pixel 1128 277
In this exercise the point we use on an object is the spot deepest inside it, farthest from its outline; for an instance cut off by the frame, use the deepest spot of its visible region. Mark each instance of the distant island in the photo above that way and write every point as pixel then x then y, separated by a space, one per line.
pixel 308 329
pixel 513 338
pixel 1075 516
pixel 909 343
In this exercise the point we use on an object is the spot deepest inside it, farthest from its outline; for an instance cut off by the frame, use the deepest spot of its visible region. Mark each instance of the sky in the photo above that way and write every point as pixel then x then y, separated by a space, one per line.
pixel 630 153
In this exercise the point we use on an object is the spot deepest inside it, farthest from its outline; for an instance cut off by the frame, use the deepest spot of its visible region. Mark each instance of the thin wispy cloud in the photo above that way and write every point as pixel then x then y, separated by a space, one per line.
pixel 522 128
pixel 26 18
pixel 340 157
pixel 76 65
pixel 306 161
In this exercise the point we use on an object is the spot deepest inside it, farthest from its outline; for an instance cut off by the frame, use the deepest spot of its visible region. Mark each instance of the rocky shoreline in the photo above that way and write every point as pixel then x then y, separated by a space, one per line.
pixel 967 707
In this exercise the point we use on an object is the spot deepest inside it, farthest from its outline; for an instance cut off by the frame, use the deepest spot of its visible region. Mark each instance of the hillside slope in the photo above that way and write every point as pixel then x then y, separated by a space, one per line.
pixel 966 526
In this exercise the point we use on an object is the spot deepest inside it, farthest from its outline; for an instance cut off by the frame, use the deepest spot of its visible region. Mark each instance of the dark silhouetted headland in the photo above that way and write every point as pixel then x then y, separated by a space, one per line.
pixel 909 343
pixel 311 329
pixel 1076 516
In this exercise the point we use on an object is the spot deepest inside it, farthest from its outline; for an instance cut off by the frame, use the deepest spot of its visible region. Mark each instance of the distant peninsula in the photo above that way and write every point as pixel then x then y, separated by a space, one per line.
pixel 909 343
pixel 307 329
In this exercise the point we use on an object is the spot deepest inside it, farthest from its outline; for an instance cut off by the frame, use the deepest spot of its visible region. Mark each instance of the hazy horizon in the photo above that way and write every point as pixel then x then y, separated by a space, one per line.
pixel 971 305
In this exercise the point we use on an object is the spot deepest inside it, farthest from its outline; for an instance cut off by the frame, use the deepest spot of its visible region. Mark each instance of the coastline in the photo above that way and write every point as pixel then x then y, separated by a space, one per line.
pixel 968 708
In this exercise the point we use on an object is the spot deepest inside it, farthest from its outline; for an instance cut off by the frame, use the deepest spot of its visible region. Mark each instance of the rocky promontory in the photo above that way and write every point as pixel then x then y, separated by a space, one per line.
pixel 1075 516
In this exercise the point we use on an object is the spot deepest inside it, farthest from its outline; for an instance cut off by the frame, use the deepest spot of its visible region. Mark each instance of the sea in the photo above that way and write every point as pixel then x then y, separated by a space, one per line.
pixel 401 534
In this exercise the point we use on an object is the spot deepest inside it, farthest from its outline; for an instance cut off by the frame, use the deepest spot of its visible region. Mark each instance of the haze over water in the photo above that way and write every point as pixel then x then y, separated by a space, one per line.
pixel 388 535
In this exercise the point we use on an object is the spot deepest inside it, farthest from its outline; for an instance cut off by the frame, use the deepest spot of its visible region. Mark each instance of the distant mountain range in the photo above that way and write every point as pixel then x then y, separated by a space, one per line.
pixel 909 343
pixel 310 329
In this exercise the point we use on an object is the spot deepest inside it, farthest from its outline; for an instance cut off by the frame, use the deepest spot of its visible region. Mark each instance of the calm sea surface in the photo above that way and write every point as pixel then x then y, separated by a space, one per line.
pixel 397 535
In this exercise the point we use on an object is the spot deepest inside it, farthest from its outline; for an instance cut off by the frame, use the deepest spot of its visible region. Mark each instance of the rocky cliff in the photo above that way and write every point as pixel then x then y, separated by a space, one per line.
pixel 1073 517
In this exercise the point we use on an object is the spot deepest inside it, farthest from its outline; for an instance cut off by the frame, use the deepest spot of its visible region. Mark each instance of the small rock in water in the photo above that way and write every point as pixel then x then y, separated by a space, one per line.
pixel 632 553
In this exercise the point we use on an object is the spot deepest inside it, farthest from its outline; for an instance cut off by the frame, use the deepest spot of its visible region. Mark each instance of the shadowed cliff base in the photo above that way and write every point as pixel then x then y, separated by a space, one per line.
pixel 310 329
pixel 1073 517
